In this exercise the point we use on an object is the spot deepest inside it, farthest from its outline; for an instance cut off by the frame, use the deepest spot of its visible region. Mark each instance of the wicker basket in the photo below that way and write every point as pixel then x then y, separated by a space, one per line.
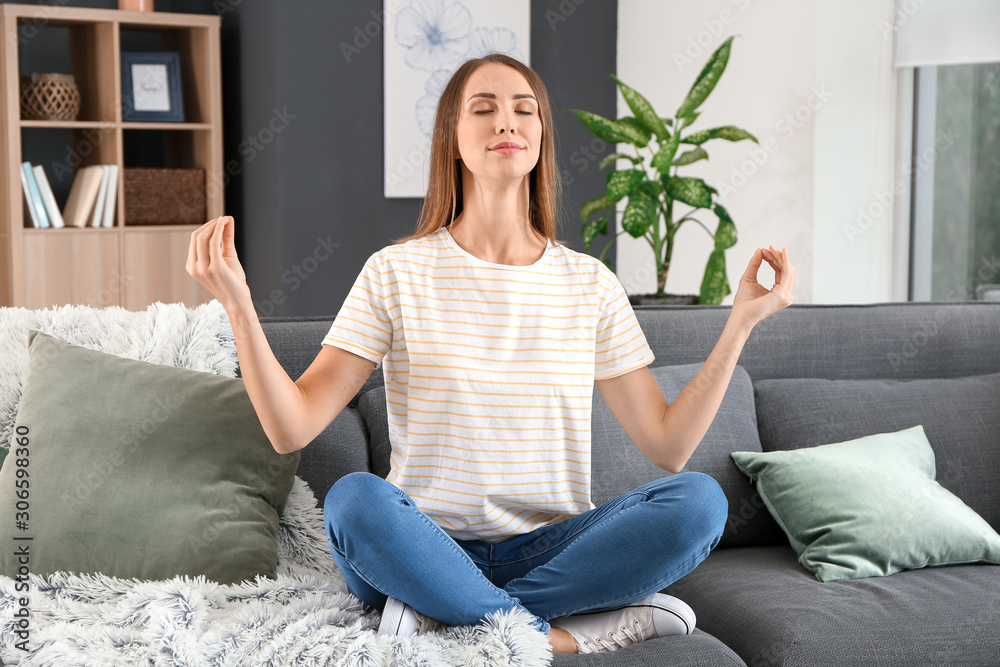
pixel 164 196
pixel 49 97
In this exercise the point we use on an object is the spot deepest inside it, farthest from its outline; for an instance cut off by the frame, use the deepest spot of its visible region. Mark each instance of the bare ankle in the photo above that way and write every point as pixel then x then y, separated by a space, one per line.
pixel 561 641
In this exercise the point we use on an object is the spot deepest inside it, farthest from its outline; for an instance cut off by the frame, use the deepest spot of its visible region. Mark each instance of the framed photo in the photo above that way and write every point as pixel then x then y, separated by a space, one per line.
pixel 151 86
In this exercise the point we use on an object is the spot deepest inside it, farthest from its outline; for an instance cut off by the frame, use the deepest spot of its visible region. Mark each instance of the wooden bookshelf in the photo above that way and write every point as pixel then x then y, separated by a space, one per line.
pixel 124 265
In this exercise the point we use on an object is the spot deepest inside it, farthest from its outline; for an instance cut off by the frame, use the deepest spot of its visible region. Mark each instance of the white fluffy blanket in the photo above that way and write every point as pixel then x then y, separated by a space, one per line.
pixel 303 617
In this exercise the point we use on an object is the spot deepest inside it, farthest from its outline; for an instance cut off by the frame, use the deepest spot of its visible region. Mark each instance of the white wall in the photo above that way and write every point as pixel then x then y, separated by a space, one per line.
pixel 812 80
pixel 858 252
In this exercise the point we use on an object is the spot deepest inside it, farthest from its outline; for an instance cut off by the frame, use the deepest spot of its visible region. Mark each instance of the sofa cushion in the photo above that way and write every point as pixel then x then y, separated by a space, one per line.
pixel 961 417
pixel 617 465
pixel 868 507
pixel 141 470
pixel 762 604
pixel 341 448
pixel 372 408
pixel 699 649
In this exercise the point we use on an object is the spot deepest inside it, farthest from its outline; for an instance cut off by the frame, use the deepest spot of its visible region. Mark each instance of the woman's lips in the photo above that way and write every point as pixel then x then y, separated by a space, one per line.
pixel 506 148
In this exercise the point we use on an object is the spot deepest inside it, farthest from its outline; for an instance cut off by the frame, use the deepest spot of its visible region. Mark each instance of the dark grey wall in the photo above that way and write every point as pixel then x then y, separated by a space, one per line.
pixel 304 134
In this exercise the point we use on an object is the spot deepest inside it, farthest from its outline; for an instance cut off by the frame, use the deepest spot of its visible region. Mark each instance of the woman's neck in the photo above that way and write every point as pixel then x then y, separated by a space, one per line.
pixel 494 224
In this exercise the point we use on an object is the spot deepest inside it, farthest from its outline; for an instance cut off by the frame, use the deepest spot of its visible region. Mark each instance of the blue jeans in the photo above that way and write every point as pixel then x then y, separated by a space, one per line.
pixel 624 550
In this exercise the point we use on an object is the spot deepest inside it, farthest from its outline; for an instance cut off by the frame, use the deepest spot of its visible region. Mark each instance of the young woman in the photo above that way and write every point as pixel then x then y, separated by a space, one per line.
pixel 492 335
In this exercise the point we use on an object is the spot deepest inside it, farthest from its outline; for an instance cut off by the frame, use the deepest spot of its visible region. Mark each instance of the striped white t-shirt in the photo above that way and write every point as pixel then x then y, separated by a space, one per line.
pixel 489 376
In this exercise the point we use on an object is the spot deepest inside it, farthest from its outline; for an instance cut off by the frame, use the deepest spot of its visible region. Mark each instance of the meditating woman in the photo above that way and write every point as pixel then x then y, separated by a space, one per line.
pixel 492 335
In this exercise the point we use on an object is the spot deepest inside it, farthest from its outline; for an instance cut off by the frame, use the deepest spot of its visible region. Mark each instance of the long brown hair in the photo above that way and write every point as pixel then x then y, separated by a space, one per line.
pixel 443 202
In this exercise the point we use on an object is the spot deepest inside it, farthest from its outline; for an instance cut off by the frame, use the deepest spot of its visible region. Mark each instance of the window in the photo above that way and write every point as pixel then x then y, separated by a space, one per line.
pixel 955 186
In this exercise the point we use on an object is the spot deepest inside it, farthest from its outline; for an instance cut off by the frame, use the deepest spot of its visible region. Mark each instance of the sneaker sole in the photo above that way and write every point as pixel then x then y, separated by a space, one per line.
pixel 392 615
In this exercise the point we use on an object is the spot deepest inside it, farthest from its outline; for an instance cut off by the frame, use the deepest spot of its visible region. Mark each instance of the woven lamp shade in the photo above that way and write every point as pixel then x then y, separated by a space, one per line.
pixel 49 97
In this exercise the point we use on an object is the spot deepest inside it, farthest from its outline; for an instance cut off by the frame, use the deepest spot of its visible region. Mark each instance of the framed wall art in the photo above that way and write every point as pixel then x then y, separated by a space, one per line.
pixel 151 87
pixel 425 42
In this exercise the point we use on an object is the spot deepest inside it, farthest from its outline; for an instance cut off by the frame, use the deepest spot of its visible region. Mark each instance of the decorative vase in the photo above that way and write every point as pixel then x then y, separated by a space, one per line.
pixel 136 5
pixel 49 97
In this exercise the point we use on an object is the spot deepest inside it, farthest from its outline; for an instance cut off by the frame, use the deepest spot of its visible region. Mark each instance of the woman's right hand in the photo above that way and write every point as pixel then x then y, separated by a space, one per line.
pixel 212 262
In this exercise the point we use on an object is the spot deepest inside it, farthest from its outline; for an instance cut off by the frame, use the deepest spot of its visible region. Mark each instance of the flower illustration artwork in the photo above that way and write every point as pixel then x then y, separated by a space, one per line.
pixel 427 104
pixel 435 34
pixel 429 40
pixel 438 36
pixel 493 40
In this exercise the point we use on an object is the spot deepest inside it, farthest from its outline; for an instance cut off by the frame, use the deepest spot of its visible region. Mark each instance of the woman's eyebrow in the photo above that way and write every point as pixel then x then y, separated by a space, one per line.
pixel 491 96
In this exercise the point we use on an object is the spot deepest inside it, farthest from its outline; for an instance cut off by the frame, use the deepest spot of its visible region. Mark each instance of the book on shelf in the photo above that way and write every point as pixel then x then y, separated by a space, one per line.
pixel 111 198
pixel 83 195
pixel 48 198
pixel 97 215
pixel 28 206
pixel 34 197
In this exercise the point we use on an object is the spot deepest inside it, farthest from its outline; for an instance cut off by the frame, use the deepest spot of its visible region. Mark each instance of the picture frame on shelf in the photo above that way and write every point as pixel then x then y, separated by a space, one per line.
pixel 151 86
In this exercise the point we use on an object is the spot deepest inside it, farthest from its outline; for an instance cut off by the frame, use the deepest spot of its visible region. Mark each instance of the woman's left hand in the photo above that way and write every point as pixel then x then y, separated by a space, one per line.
pixel 753 302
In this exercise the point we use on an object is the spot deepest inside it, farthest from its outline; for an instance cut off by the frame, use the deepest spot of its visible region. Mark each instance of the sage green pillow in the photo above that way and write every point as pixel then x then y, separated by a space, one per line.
pixel 138 470
pixel 868 507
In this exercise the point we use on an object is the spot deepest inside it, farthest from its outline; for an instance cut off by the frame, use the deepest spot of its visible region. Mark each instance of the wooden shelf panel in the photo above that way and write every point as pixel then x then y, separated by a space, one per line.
pixel 132 229
pixel 72 269
pixel 76 15
pixel 151 269
pixel 32 231
pixel 108 125
pixel 69 124
pixel 137 125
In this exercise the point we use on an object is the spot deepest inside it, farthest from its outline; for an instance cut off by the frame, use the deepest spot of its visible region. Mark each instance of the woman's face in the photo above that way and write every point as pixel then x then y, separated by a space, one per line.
pixel 498 106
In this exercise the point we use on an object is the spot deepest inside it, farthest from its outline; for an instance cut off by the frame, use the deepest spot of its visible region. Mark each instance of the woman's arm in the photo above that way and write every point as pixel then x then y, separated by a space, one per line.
pixel 667 434
pixel 291 413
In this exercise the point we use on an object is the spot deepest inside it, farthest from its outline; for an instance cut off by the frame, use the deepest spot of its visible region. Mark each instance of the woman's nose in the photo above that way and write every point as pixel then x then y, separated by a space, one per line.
pixel 506 124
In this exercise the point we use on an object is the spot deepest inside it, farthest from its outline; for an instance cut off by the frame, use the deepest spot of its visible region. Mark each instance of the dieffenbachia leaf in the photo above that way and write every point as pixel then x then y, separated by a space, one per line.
pixel 692 191
pixel 592 229
pixel 621 183
pixel 715 284
pixel 725 235
pixel 610 159
pixel 640 213
pixel 643 110
pixel 592 206
pixel 691 156
pixel 706 80
pixel 728 132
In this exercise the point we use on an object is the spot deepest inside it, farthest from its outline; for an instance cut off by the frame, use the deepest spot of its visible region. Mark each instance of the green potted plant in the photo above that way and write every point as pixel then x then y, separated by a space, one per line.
pixel 652 185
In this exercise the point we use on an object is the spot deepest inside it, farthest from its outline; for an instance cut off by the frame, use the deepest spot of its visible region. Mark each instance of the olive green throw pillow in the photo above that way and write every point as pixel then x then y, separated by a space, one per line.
pixel 868 507
pixel 134 469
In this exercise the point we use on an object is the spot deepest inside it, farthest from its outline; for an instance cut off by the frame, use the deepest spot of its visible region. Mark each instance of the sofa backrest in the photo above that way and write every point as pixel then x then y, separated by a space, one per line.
pixel 898 341
pixel 890 341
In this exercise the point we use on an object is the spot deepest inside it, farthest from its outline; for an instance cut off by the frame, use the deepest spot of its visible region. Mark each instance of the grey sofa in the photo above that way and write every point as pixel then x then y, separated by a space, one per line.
pixel 808 375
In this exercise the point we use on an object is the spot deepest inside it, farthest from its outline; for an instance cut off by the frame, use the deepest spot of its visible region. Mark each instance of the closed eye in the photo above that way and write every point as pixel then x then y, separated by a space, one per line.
pixel 526 113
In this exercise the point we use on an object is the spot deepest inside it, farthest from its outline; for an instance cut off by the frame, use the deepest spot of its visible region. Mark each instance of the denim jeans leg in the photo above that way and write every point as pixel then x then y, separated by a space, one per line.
pixel 384 545
pixel 640 543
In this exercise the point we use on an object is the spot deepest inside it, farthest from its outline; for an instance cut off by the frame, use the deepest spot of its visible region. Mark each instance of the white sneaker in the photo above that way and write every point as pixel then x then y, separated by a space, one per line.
pixel 402 620
pixel 612 628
